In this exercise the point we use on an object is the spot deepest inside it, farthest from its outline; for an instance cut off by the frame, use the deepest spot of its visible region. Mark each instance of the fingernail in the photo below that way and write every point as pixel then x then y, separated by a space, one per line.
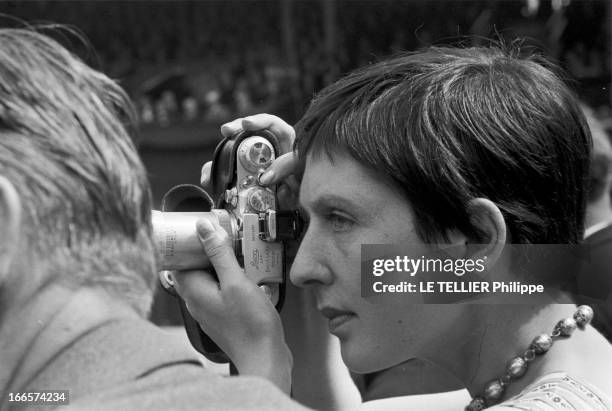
pixel 228 129
pixel 266 177
pixel 205 228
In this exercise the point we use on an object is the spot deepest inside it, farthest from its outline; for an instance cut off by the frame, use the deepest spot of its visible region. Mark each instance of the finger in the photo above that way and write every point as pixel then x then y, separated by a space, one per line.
pixel 287 199
pixel 197 288
pixel 284 196
pixel 217 246
pixel 205 174
pixel 283 131
pixel 293 183
pixel 231 128
pixel 288 193
pixel 280 169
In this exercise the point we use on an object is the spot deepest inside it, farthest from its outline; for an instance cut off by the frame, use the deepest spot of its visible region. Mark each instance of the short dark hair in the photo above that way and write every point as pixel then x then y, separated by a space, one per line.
pixel 448 124
pixel 65 146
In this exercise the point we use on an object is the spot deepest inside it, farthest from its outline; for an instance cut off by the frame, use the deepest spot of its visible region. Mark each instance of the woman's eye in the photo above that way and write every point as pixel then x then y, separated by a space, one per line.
pixel 339 222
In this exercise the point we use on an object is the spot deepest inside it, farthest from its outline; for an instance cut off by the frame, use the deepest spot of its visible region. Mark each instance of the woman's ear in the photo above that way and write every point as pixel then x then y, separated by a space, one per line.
pixel 490 228
pixel 10 221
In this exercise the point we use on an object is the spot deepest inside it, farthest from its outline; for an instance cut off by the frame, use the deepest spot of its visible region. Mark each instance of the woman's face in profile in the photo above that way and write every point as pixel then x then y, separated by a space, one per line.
pixel 349 205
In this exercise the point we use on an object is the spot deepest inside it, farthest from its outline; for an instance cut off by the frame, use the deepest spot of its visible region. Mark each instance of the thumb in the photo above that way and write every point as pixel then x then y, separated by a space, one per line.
pixel 205 174
pixel 217 246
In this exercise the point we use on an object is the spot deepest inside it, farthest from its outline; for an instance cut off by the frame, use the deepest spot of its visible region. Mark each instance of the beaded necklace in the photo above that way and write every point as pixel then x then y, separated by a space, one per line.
pixel 517 366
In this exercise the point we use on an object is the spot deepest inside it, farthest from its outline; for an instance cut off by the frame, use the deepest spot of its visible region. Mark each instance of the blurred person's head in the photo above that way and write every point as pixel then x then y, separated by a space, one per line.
pixel 75 199
pixel 600 179
pixel 445 145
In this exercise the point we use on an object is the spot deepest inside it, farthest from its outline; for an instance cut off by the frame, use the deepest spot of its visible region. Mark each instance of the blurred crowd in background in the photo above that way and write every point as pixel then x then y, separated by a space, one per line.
pixel 210 61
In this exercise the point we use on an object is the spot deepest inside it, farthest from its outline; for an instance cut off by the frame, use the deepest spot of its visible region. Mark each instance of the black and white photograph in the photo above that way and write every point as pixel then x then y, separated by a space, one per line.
pixel 335 205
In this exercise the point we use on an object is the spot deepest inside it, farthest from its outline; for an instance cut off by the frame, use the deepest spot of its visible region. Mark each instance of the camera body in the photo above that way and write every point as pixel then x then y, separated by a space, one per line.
pixel 244 208
pixel 248 212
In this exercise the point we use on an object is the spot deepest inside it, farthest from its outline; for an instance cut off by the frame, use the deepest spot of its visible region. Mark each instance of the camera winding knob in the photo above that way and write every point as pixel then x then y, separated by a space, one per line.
pixel 255 153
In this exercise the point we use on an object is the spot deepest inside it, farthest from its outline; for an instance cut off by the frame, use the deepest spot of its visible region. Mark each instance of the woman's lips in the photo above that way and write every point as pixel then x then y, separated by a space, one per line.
pixel 337 318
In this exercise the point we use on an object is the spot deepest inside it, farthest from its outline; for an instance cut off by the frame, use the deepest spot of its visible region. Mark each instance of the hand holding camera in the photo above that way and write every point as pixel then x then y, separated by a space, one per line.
pixel 234 312
pixel 241 227
pixel 283 170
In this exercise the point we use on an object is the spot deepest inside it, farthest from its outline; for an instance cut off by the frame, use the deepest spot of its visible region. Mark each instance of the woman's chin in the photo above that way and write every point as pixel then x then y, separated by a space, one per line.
pixel 361 360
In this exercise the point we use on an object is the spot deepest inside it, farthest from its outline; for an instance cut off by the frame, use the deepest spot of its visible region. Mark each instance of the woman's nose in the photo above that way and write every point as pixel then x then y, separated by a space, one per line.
pixel 309 267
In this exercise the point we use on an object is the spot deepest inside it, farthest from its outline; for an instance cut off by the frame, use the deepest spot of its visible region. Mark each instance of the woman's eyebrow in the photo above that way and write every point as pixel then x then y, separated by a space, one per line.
pixel 331 201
